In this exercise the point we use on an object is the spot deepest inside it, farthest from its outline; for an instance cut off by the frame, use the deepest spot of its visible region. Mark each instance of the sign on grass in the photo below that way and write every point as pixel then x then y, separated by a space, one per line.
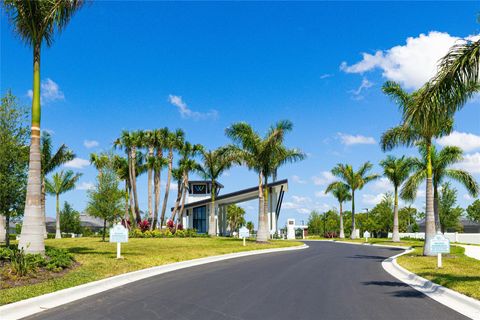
pixel 244 232
pixel 439 244
pixel 118 233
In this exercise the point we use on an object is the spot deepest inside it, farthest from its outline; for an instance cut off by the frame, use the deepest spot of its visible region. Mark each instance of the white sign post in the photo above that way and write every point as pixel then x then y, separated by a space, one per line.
pixel 244 233
pixel 439 244
pixel 118 234
pixel 366 235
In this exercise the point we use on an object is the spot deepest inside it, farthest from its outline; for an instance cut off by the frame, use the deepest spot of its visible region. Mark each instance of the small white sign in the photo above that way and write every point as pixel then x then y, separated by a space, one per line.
pixel 244 232
pixel 366 234
pixel 439 244
pixel 118 234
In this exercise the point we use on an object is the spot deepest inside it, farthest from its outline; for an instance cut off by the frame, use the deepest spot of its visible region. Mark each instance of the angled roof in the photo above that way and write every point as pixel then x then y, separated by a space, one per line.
pixel 238 196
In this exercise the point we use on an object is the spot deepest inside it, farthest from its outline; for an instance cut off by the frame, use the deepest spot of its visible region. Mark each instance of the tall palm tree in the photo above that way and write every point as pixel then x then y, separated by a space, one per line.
pixel 341 192
pixel 214 163
pixel 187 164
pixel 456 81
pixel 419 125
pixel 130 142
pixel 148 141
pixel 120 164
pixel 354 180
pixel 160 162
pixel 173 141
pixel 177 175
pixel 100 161
pixel 61 182
pixel 260 155
pixel 441 162
pixel 49 162
pixel 36 22
pixel 397 171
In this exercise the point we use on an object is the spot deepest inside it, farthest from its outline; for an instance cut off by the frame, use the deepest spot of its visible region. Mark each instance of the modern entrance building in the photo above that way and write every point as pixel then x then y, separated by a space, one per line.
pixel 198 205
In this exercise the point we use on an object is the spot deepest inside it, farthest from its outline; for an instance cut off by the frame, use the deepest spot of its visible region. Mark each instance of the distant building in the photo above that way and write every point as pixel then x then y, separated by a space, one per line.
pixel 86 221
pixel 467 226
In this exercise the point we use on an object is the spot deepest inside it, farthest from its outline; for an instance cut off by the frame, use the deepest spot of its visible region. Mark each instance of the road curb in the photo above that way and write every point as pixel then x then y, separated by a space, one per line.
pixel 467 306
pixel 28 307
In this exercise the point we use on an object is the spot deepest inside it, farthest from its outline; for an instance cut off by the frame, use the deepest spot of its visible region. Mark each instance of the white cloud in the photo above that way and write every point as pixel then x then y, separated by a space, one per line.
pixel 90 144
pixel 466 141
pixel 49 91
pixel 411 64
pixel 325 177
pixel 382 185
pixel 85 186
pixel 357 93
pixel 301 199
pixel 470 163
pixel 186 112
pixel 326 75
pixel 77 163
pixel 348 139
pixel 372 199
pixel 322 194
pixel 297 179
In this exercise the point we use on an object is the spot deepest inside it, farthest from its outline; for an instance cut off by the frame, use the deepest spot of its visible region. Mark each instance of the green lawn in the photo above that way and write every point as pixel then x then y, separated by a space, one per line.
pixel 459 272
pixel 97 259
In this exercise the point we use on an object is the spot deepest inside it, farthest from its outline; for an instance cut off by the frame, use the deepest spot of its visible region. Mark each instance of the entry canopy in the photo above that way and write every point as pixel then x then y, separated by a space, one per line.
pixel 241 195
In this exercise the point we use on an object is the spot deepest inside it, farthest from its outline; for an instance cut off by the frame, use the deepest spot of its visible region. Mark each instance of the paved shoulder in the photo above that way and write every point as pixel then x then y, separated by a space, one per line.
pixel 326 281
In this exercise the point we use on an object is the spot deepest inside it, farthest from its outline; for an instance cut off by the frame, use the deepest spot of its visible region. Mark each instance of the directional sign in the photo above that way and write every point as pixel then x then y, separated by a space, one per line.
pixel 244 232
pixel 439 244
pixel 118 233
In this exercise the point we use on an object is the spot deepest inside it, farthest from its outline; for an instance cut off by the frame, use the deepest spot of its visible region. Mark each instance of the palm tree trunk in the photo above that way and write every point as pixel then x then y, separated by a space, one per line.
pixel 5 225
pixel 435 207
pixel 138 218
pixel 184 195
pixel 211 217
pixel 44 213
pixel 177 202
pixel 342 233
pixel 396 234
pixel 156 185
pixel 429 212
pixel 150 208
pixel 31 239
pixel 353 233
pixel 58 234
pixel 167 188
pixel 266 200
pixel 104 229
pixel 262 234
pixel 132 207
pixel 127 193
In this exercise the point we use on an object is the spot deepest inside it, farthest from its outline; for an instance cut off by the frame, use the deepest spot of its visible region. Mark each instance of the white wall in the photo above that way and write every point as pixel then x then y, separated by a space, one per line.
pixel 452 236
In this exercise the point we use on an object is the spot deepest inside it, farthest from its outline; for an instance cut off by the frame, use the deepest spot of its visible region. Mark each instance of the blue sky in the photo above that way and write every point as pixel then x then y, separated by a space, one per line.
pixel 203 66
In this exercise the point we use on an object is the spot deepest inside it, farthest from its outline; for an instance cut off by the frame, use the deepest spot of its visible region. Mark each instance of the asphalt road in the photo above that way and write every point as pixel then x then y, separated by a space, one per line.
pixel 325 281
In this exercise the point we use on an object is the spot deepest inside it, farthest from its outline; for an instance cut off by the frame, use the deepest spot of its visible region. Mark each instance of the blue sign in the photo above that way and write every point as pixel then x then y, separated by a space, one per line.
pixel 118 233
pixel 439 244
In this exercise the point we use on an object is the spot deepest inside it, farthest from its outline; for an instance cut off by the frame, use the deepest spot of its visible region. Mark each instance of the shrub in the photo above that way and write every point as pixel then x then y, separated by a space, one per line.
pixel 180 233
pixel 58 259
pixel 6 254
pixel 19 263
pixel 144 225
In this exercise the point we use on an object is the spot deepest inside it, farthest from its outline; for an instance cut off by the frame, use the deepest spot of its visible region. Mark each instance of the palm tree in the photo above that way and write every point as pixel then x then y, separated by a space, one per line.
pixel 131 141
pixel 456 81
pixel 341 192
pixel 50 162
pixel 36 22
pixel 420 125
pixel 187 164
pixel 120 164
pixel 441 162
pixel 159 162
pixel 100 161
pixel 177 175
pixel 61 182
pixel 260 155
pixel 397 171
pixel 214 163
pixel 148 141
pixel 173 141
pixel 354 180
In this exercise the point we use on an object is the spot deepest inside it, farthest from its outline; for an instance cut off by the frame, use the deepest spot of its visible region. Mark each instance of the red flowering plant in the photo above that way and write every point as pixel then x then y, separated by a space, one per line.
pixel 144 225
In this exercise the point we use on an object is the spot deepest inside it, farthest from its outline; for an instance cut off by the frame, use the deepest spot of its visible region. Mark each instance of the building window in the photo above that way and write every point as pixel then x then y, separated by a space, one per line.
pixel 200 219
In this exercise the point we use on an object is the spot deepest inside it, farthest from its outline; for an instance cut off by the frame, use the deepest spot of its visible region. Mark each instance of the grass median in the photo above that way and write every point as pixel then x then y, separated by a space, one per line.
pixel 97 259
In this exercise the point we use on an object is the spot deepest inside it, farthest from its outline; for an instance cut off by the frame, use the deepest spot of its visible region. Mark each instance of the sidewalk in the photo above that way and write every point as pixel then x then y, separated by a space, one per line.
pixel 472 251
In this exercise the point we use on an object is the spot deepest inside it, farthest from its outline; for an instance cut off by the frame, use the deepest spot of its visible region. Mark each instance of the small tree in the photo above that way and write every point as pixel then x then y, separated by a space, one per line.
pixel 235 217
pixel 315 223
pixel 106 200
pixel 473 211
pixel 70 219
pixel 14 159
pixel 250 226
pixel 448 212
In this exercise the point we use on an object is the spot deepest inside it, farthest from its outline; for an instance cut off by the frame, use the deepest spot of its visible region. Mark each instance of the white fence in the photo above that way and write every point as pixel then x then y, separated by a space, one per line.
pixel 452 236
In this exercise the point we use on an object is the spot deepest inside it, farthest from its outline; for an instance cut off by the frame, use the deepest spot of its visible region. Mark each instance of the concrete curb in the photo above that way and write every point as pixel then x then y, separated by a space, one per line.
pixel 467 306
pixel 24 308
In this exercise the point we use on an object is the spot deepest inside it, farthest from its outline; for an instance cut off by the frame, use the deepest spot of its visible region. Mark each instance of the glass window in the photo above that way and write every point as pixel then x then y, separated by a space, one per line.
pixel 200 219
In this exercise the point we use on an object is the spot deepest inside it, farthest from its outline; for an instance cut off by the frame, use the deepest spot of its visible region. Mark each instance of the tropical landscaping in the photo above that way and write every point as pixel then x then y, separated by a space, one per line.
pixel 37 262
